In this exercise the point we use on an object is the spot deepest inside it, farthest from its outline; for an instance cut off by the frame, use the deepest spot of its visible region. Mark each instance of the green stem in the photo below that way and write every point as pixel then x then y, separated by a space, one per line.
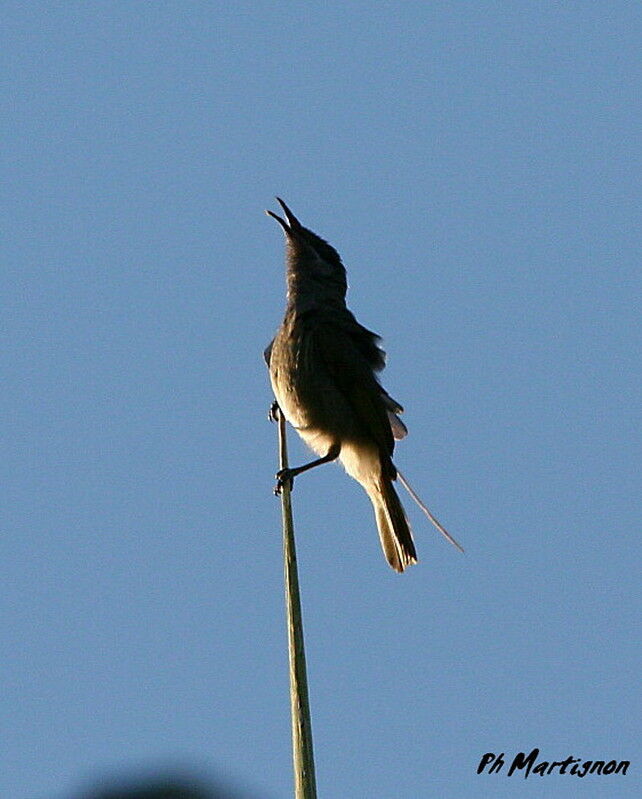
pixel 303 756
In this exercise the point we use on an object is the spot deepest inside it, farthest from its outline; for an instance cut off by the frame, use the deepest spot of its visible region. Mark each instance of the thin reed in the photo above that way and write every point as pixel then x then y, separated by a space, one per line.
pixel 302 752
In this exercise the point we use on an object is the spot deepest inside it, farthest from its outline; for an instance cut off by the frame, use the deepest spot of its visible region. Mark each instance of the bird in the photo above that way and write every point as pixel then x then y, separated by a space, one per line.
pixel 323 367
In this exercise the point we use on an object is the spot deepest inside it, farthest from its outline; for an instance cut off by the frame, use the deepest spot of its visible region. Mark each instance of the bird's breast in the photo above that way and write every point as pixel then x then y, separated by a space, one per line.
pixel 293 377
pixel 305 391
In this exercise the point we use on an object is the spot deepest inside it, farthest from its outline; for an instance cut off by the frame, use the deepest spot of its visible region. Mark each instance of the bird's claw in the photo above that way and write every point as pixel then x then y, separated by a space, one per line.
pixel 283 477
pixel 273 413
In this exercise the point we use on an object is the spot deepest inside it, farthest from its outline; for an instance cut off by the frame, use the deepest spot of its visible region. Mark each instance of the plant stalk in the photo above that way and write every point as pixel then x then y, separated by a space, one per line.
pixel 302 752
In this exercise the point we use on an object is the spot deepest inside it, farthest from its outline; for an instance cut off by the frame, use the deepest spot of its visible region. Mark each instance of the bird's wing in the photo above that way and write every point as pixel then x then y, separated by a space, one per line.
pixel 367 343
pixel 267 352
pixel 399 429
pixel 352 375
pixel 363 339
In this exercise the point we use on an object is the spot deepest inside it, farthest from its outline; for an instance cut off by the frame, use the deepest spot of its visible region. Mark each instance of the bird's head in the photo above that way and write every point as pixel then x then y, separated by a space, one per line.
pixel 311 261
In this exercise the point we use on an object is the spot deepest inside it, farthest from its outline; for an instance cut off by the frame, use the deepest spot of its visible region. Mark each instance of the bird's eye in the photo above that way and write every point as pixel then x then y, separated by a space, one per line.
pixel 322 266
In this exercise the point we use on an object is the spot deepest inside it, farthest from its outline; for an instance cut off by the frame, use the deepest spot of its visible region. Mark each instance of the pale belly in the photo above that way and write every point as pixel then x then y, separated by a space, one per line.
pixel 325 425
pixel 301 416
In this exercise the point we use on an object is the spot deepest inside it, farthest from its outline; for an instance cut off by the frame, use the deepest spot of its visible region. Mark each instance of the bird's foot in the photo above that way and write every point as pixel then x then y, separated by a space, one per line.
pixel 284 477
pixel 273 413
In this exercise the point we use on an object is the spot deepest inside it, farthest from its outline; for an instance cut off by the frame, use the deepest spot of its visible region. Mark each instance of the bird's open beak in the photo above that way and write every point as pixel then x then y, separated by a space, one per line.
pixel 292 226
pixel 292 220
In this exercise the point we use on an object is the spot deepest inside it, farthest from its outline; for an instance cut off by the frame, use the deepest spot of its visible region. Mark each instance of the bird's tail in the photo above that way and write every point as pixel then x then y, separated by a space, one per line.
pixel 394 530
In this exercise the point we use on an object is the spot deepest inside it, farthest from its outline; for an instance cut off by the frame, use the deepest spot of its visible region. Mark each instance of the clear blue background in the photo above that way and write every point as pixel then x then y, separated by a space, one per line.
pixel 478 167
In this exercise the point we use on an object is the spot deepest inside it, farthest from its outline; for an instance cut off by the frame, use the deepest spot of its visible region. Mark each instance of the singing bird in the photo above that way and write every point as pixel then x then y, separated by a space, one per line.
pixel 323 366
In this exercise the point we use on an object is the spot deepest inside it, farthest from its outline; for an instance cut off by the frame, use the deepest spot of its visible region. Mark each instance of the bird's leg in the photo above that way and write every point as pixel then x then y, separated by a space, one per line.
pixel 287 475
pixel 273 413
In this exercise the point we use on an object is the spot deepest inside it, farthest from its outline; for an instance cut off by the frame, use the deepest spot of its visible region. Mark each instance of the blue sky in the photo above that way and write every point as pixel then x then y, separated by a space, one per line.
pixel 478 167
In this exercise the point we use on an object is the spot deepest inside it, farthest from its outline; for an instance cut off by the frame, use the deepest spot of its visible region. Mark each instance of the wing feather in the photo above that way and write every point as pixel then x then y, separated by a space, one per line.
pixel 352 374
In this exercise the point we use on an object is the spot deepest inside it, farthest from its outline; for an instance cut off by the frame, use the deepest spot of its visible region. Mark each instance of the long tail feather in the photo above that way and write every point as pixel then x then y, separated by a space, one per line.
pixel 394 531
pixel 434 521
